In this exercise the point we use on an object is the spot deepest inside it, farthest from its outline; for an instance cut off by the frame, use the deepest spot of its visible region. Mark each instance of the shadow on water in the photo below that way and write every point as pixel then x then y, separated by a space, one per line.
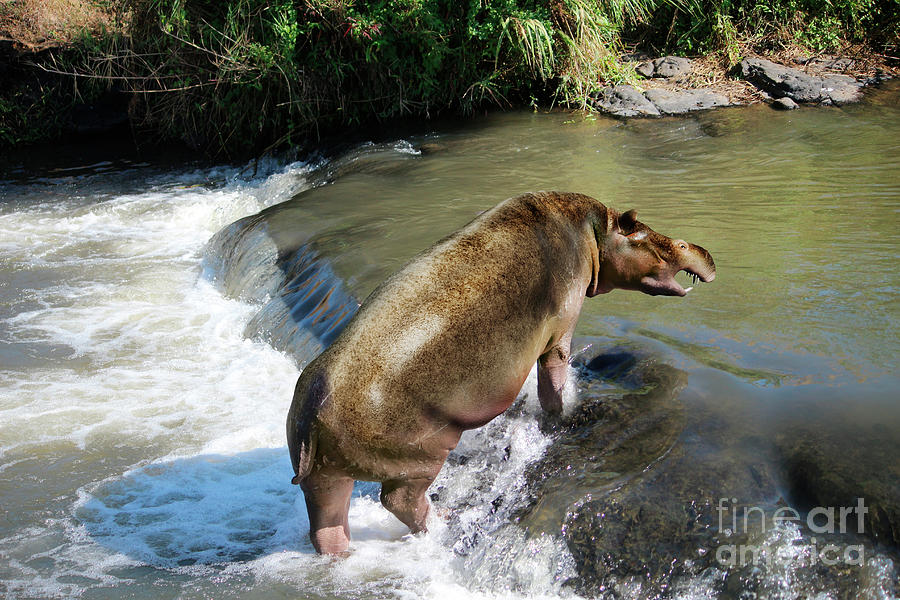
pixel 303 304
pixel 204 510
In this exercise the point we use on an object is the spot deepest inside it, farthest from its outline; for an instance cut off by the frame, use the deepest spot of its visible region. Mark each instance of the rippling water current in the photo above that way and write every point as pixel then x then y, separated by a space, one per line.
pixel 153 322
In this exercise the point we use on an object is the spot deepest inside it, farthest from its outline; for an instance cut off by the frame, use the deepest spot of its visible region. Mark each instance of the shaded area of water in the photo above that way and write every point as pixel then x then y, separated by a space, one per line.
pixel 142 442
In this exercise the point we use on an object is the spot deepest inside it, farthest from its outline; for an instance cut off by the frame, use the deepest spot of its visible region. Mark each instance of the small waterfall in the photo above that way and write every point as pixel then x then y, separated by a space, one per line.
pixel 304 305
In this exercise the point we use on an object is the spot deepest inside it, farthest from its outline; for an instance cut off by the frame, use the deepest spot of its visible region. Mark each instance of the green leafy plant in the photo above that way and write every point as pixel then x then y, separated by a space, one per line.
pixel 822 33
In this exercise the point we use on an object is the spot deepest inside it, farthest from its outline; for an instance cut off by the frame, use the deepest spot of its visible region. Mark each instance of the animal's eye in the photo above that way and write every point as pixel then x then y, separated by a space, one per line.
pixel 683 246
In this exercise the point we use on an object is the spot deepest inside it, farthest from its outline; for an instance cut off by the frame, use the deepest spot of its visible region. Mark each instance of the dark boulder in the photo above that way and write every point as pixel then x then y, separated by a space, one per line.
pixel 679 102
pixel 625 101
pixel 781 81
pixel 667 66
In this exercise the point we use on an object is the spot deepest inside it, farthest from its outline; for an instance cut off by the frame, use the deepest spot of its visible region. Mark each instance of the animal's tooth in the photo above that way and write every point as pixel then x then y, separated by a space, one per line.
pixel 686 290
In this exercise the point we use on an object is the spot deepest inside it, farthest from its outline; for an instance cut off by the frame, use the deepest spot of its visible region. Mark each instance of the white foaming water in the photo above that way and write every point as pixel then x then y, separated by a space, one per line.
pixel 149 433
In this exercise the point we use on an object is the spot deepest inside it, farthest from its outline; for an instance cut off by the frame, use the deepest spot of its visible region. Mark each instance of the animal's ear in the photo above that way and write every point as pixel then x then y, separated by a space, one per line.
pixel 627 221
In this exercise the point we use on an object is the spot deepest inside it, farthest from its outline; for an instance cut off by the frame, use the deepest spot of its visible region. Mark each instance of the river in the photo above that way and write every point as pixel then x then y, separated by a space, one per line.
pixel 154 319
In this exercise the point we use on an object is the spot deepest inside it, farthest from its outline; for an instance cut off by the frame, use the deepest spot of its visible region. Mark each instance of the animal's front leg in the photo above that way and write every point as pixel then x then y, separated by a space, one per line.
pixel 553 368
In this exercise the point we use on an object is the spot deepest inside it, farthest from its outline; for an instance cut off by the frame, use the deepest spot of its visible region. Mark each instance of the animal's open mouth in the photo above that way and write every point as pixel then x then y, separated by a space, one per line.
pixel 695 277
pixel 666 285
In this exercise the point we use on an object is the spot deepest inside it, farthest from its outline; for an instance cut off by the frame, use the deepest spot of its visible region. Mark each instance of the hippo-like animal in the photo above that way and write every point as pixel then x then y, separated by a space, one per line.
pixel 446 343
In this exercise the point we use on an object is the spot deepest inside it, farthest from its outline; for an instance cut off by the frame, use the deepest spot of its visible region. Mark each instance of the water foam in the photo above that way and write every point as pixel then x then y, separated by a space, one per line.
pixel 235 515
pixel 150 359
pixel 121 292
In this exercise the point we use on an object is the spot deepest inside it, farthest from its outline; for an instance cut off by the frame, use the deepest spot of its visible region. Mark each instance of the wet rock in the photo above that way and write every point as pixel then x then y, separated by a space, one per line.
pixel 667 66
pixel 663 525
pixel 678 102
pixel 781 81
pixel 625 101
pixel 646 492
pixel 785 104
pixel 829 467
pixel 636 504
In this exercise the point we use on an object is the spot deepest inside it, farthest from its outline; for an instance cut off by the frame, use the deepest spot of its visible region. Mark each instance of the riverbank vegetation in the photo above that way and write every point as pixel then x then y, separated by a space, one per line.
pixel 238 77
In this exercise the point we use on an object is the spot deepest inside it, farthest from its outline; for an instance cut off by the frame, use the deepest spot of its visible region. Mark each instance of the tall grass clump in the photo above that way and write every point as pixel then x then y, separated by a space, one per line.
pixel 591 38
pixel 533 41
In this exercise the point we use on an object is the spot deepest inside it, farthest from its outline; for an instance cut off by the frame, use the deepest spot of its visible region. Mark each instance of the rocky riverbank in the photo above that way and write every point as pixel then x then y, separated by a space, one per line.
pixel 677 85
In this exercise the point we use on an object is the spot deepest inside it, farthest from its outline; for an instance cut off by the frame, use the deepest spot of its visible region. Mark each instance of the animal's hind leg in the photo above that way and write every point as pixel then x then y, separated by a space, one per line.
pixel 327 504
pixel 406 500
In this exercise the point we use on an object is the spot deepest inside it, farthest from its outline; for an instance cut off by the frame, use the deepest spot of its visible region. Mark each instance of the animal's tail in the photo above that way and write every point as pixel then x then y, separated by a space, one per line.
pixel 302 434
pixel 302 456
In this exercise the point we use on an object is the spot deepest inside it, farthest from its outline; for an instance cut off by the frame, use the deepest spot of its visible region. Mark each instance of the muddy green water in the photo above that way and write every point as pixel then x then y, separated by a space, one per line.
pixel 141 434
pixel 798 209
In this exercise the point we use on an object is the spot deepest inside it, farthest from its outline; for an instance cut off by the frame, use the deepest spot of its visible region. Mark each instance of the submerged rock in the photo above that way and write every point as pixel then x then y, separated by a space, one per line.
pixel 634 503
pixel 651 495
pixel 781 81
pixel 830 467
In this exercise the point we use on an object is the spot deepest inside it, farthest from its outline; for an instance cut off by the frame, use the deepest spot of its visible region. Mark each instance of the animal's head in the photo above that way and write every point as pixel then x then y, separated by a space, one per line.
pixel 634 257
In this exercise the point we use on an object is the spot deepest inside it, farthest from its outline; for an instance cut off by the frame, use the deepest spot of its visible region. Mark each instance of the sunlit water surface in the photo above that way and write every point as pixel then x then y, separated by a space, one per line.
pixel 142 449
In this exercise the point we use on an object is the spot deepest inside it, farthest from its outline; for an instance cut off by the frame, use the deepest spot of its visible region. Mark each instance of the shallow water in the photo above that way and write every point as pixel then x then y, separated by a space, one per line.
pixel 148 351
